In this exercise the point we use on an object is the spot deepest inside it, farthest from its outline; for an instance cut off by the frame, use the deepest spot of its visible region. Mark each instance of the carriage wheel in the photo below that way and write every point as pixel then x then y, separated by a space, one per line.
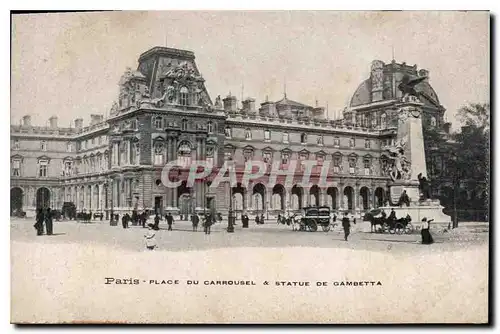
pixel 399 228
pixel 302 227
pixel 313 226
pixel 326 228
pixel 409 228
pixel 385 228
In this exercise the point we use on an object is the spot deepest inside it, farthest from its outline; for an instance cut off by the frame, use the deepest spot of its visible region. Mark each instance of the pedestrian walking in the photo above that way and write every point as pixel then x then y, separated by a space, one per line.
pixel 170 221
pixel 195 220
pixel 124 221
pixel 48 221
pixel 150 238
pixel 245 220
pixel 262 218
pixel 156 225
pixel 346 225
pixel 207 224
pixel 39 221
pixel 143 219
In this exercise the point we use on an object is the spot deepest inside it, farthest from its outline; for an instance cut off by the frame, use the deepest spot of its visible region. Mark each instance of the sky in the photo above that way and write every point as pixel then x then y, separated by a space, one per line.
pixel 69 64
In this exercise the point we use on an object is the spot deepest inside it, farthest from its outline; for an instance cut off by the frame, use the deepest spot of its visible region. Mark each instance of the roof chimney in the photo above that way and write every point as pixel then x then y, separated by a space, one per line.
pixel 78 123
pixel 27 120
pixel 53 122
pixel 230 103
pixel 96 119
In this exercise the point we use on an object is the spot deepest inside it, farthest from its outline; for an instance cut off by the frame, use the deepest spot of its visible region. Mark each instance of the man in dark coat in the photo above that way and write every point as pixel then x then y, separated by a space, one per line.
pixel 170 221
pixel 48 221
pixel 124 221
pixel 143 219
pixel 392 216
pixel 346 225
pixel 195 220
pixel 207 223
pixel 156 225
pixel 262 218
pixel 39 221
pixel 244 220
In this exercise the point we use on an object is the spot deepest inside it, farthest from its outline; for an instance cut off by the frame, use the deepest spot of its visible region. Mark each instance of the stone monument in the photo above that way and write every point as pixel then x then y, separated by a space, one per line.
pixel 408 162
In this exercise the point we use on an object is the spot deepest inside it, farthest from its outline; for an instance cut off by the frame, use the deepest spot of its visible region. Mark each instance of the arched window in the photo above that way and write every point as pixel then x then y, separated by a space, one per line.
pixel 184 154
pixel 184 125
pixel 158 153
pixel 383 121
pixel 210 127
pixel 158 122
pixel 303 138
pixel 248 134
pixel 184 95
pixel 267 135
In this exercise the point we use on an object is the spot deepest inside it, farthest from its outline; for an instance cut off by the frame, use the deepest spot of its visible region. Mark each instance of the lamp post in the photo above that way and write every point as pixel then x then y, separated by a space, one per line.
pixel 230 218
pixel 455 190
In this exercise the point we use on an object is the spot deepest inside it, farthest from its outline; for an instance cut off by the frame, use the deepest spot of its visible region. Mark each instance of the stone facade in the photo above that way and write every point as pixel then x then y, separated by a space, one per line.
pixel 164 113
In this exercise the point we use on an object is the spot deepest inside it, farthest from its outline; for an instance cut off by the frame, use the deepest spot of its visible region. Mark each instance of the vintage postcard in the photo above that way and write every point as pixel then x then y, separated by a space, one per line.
pixel 201 167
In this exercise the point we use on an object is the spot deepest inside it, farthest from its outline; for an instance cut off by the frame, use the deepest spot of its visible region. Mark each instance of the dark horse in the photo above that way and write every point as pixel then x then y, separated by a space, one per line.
pixel 387 224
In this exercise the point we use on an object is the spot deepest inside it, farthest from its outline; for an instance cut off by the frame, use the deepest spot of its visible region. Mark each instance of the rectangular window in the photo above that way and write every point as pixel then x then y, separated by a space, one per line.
pixel 336 164
pixel 69 147
pixel 266 157
pixel 367 165
pixel 320 159
pixel 285 137
pixel 352 142
pixel 267 135
pixel 43 145
pixel 352 165
pixel 228 156
pixel 336 142
pixel 42 172
pixel 227 132
pixel 247 155
pixel 16 144
pixel 68 166
pixel 93 141
pixel 285 158
pixel 16 168
pixel 158 122
pixel 367 143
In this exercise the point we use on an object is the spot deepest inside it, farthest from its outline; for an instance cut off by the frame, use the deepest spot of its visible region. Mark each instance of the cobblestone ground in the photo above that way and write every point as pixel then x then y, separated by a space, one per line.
pixel 268 235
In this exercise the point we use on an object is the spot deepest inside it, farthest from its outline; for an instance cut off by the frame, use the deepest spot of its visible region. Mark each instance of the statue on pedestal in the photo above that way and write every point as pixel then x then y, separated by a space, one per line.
pixel 424 187
pixel 407 86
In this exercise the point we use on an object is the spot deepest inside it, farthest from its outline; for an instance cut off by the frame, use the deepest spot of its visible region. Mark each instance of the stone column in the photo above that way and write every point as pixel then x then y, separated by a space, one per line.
pixel 341 196
pixel 248 195
pixel 174 157
pixel 268 199
pixel 287 199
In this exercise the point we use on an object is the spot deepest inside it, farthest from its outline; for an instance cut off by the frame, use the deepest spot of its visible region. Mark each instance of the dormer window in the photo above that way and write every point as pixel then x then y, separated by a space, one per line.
pixel 184 96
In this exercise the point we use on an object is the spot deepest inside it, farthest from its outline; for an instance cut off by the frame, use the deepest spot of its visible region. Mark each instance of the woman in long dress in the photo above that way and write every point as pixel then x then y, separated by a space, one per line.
pixel 425 232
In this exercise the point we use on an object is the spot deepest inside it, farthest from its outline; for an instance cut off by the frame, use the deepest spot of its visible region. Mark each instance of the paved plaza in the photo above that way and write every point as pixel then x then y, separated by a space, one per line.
pixel 182 237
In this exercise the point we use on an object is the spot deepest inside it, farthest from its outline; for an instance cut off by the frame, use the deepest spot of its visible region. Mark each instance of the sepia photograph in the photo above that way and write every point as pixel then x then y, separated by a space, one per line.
pixel 250 167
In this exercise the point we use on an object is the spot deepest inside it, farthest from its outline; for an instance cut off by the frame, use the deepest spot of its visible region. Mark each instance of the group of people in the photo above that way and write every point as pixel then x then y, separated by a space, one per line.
pixel 43 216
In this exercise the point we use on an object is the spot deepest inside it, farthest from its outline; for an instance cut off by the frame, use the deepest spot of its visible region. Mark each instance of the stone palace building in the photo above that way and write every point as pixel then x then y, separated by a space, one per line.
pixel 164 113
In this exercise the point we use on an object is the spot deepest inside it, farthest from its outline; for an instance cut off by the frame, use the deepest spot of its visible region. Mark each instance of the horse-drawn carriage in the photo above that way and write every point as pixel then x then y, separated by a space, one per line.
pixel 314 217
pixel 388 225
